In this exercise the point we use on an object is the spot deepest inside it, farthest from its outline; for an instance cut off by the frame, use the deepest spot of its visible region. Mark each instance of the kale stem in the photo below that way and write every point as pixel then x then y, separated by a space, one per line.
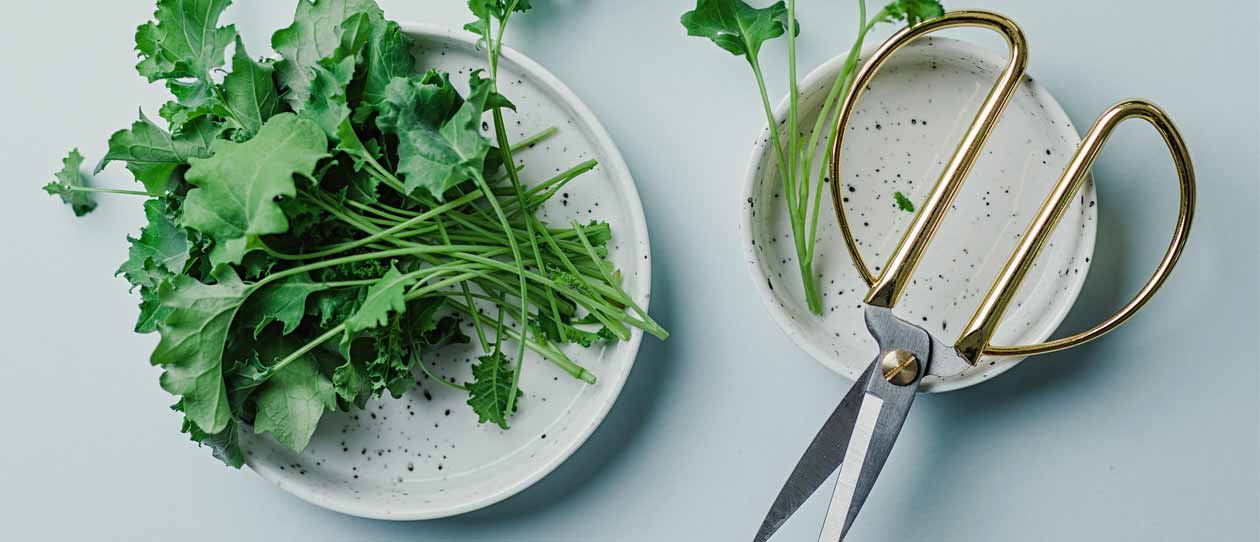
pixel 841 90
pixel 111 191
pixel 436 211
pixel 824 116
pixel 505 148
pixel 793 137
pixel 425 368
pixel 525 143
pixel 481 333
pixel 516 255
pixel 614 319
pixel 789 192
pixel 650 325
pixel 549 353
pixel 788 181
pixel 409 251
pixel 336 330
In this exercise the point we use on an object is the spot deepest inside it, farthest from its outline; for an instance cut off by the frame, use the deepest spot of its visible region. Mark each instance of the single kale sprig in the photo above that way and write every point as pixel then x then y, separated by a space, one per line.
pixel 741 30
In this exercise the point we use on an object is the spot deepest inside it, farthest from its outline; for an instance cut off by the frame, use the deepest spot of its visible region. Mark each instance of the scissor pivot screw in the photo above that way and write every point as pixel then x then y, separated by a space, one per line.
pixel 899 367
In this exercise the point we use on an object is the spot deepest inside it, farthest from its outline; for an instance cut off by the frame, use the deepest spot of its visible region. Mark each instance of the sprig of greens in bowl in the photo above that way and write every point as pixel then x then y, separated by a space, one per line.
pixel 741 30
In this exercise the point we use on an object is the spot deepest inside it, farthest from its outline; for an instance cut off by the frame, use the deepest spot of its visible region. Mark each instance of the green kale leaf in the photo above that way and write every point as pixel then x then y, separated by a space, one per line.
pixel 388 56
pixel 350 383
pixel 225 445
pixel 292 401
pixel 316 33
pixel 160 252
pixel 484 10
pixel 490 389
pixel 235 199
pixel 283 301
pixel 153 154
pixel 735 26
pixel 183 46
pixel 910 11
pixel 383 298
pixel 327 103
pixel 69 178
pixel 435 153
pixel 191 348
pixel 249 91
pixel 390 369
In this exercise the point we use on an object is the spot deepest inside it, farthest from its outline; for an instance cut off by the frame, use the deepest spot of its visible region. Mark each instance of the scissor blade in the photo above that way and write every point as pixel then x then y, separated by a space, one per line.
pixel 820 459
pixel 878 423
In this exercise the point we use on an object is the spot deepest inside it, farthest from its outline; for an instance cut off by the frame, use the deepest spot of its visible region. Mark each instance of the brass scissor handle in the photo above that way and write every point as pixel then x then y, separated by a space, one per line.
pixel 974 340
pixel 887 288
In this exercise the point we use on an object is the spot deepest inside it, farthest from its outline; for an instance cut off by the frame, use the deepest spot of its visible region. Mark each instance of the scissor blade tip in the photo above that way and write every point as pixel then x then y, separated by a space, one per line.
pixel 767 530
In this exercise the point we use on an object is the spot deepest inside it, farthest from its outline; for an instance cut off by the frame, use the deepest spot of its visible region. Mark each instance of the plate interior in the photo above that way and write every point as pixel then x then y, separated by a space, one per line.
pixel 906 126
pixel 424 455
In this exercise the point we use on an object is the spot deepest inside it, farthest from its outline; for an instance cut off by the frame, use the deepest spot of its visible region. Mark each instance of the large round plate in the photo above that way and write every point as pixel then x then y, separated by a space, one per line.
pixel 425 456
pixel 903 130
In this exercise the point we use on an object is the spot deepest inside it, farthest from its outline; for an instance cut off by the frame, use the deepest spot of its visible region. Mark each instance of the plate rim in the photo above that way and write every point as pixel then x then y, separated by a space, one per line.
pixel 624 181
pixel 787 323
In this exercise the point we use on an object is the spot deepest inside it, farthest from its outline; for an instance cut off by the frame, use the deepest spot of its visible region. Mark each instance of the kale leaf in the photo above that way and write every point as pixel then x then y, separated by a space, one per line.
pixel 68 179
pixel 235 199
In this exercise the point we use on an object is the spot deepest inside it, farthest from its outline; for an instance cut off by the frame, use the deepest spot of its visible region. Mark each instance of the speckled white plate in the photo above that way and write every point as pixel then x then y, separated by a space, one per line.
pixel 903 130
pixel 425 456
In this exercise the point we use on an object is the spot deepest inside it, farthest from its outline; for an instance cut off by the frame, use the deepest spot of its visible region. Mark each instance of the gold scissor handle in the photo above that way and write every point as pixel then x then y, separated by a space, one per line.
pixel 975 337
pixel 887 288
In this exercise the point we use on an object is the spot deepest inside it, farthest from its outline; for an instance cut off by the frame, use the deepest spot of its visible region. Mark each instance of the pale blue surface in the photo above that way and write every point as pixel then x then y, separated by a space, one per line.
pixel 1150 434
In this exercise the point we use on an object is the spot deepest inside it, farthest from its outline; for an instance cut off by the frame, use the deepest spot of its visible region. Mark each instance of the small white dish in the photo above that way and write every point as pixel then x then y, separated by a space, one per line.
pixel 425 456
pixel 902 131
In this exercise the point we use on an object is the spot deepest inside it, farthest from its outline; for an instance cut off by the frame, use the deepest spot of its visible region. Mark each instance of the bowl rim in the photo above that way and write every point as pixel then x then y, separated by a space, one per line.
pixel 617 168
pixel 776 308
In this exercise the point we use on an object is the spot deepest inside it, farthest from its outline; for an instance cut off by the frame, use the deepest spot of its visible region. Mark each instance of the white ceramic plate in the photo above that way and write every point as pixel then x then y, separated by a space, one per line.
pixel 903 130
pixel 425 456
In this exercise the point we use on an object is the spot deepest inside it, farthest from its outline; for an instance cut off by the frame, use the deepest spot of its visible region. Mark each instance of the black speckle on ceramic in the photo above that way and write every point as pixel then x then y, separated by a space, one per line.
pixel 424 455
pixel 904 129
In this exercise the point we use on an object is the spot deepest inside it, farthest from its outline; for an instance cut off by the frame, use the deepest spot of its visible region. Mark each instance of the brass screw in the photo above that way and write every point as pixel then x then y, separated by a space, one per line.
pixel 899 367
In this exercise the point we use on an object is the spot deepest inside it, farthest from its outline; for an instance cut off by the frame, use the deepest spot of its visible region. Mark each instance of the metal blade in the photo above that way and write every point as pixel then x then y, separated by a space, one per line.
pixel 820 459
pixel 878 423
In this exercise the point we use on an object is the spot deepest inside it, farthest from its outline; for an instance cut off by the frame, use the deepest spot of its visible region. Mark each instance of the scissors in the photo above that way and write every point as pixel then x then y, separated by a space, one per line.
pixel 859 435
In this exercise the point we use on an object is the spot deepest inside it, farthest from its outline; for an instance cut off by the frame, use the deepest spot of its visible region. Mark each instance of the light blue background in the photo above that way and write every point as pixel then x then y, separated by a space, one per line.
pixel 1150 434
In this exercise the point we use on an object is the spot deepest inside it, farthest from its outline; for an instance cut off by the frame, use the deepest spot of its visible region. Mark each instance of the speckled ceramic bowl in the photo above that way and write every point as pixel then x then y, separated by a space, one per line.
pixel 903 130
pixel 424 455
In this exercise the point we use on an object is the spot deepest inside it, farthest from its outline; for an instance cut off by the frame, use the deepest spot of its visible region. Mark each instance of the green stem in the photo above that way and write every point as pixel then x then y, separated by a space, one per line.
pixel 516 256
pixel 410 251
pixel 844 83
pixel 788 180
pixel 481 333
pixel 549 353
pixel 495 49
pixel 111 191
pixel 651 325
pixel 425 368
pixel 793 137
pixel 336 330
pixel 422 217
pixel 525 143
